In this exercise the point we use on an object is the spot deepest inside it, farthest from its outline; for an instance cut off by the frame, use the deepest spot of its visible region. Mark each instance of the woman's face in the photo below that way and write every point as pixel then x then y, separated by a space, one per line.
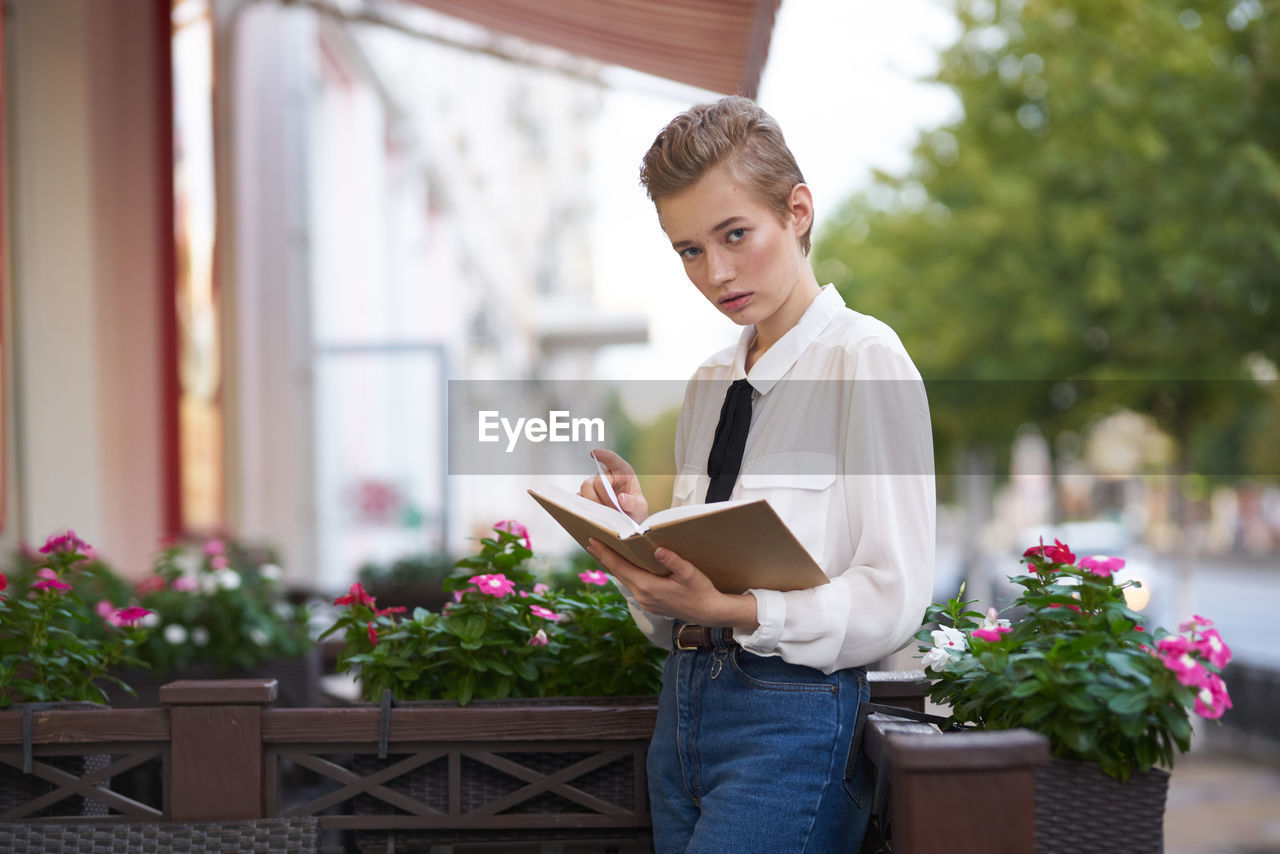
pixel 737 252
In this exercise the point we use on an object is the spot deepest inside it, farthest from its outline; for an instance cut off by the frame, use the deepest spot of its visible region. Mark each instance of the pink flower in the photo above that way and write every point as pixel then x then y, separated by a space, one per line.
pixel 524 594
pixel 544 613
pixel 538 588
pixel 1212 700
pixel 4 582
pixel 46 572
pixel 129 616
pixel 511 526
pixel 68 543
pixel 539 639
pixel 1212 647
pixel 1102 565
pixel 50 584
pixel 219 562
pixel 104 609
pixel 992 635
pixel 386 612
pixel 1195 624
pixel 1174 645
pixel 594 576
pixel 457 596
pixel 373 634
pixel 185 584
pixel 355 596
pixel 1178 658
pixel 495 584
pixel 214 547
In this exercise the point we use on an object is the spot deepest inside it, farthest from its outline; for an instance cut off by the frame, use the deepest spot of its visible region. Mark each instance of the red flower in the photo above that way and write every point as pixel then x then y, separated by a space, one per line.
pixel 51 584
pixel 373 634
pixel 398 609
pixel 1056 553
pixel 66 544
pixel 130 616
pixel 154 584
pixel 4 582
pixel 356 595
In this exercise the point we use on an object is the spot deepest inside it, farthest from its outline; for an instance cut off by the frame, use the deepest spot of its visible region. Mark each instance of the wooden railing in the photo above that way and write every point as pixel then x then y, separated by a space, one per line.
pixel 444 773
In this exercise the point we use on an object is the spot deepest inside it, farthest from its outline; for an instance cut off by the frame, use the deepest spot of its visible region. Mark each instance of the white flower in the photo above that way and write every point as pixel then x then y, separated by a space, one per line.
pixel 947 637
pixel 270 572
pixel 200 636
pixel 937 659
pixel 993 620
pixel 188 561
pixel 258 636
pixel 227 578
pixel 175 634
pixel 150 621
pixel 208 583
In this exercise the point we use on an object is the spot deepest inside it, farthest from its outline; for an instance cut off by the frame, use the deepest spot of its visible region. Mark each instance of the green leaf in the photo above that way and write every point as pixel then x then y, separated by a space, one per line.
pixel 1128 702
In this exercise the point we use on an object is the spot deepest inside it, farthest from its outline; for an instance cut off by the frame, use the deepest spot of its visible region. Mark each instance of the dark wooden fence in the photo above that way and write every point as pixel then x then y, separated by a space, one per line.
pixel 546 775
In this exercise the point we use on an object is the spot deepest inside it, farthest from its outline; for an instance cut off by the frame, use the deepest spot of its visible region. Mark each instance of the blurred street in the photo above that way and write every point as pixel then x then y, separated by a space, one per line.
pixel 1223 803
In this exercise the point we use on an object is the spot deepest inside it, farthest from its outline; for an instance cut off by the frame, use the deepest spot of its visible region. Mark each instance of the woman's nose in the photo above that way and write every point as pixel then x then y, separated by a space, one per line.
pixel 719 266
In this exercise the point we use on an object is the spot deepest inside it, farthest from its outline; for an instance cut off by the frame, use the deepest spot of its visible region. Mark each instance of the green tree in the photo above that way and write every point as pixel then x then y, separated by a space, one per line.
pixel 1101 227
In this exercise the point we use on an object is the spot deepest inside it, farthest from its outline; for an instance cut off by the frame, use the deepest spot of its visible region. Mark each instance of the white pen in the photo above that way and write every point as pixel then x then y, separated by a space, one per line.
pixel 608 487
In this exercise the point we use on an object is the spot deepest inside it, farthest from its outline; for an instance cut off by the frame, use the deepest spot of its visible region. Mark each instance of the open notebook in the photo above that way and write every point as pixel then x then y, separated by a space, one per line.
pixel 738 544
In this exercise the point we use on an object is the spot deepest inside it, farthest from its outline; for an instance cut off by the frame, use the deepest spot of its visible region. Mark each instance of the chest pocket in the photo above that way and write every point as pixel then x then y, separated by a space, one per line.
pixel 798 487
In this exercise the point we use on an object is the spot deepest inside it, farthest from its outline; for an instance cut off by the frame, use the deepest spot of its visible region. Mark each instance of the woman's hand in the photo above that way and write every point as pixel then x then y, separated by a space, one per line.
pixel 622 477
pixel 686 594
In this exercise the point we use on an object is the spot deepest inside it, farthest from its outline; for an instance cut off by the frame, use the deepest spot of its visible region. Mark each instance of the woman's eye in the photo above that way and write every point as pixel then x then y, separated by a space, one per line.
pixel 690 252
pixel 736 235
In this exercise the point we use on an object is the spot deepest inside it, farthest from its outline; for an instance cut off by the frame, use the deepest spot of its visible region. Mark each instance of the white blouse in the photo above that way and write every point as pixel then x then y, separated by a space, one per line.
pixel 840 445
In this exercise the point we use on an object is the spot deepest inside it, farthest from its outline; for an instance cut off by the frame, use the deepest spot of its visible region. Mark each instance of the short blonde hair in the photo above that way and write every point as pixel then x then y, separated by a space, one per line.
pixel 735 131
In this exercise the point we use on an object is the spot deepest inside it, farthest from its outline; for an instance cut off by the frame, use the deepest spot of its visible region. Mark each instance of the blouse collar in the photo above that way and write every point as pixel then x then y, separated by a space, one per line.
pixel 778 359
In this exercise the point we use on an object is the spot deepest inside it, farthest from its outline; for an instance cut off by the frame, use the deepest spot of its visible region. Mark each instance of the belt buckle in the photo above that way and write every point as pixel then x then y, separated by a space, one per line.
pixel 680 644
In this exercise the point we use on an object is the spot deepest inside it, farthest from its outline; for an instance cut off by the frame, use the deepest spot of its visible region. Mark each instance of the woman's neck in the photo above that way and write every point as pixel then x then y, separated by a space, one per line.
pixel 771 330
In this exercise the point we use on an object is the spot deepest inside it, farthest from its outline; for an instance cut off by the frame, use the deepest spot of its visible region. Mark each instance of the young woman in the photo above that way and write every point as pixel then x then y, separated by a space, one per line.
pixel 820 410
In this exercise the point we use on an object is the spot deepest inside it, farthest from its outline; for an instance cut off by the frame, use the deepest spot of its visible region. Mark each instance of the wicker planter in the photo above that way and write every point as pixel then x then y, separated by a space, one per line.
pixel 480 790
pixel 18 788
pixel 1078 808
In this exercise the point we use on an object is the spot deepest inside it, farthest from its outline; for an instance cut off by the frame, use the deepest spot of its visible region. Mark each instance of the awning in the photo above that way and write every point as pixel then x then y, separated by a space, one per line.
pixel 719 45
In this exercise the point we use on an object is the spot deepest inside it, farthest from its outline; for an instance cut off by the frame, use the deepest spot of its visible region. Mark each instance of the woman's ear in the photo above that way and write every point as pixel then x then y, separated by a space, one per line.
pixel 800 205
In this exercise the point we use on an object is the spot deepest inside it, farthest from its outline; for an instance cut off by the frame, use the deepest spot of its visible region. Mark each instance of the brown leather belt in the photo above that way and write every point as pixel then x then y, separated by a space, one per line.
pixel 689 637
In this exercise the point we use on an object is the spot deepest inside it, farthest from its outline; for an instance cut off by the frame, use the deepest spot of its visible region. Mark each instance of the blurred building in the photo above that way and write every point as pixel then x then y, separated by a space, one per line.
pixel 248 243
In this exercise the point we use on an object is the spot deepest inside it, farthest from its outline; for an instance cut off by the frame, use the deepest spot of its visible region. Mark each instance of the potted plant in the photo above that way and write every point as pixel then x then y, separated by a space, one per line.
pixel 506 640
pixel 45 662
pixel 220 611
pixel 1112 695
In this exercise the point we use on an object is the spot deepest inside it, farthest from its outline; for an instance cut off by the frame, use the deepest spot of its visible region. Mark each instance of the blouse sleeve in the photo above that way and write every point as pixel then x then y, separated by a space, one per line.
pixel 885 487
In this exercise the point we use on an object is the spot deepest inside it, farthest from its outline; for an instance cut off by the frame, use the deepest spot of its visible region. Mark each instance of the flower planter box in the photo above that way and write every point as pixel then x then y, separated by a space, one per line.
pixel 1078 808
pixel 18 789
pixel 501 772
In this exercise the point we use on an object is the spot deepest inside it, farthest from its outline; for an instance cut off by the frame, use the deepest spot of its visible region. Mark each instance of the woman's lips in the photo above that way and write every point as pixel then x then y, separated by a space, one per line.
pixel 735 302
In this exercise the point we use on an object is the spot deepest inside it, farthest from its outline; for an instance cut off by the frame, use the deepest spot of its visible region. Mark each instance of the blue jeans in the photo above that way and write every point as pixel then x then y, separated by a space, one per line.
pixel 749 755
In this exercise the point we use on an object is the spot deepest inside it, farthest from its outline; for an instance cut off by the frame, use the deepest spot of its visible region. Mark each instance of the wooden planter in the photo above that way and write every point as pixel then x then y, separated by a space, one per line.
pixel 19 789
pixel 554 770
